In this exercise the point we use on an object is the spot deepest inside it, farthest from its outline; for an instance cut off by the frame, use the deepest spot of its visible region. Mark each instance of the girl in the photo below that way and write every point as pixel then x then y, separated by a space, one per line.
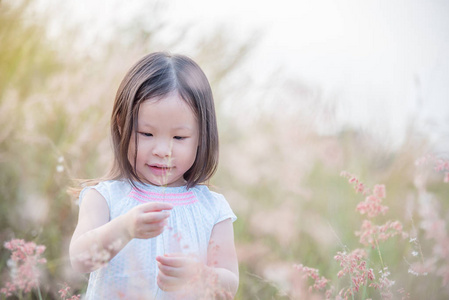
pixel 151 230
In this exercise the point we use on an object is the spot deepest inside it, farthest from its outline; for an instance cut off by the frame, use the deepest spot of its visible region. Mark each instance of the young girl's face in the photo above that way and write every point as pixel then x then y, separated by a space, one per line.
pixel 167 141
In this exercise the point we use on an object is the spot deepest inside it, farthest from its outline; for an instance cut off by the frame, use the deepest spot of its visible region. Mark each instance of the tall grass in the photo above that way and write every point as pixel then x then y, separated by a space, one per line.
pixel 281 177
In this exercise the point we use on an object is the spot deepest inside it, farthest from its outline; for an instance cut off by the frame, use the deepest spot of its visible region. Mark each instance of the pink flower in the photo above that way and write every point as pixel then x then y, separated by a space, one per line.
pixel 354 264
pixel 25 258
pixel 65 291
pixel 371 233
pixel 358 186
pixel 379 191
pixel 320 283
pixel 372 206
pixel 442 165
pixel 384 284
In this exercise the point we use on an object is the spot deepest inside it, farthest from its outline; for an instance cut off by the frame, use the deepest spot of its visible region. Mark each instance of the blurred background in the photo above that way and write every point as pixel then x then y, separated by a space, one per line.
pixel 303 91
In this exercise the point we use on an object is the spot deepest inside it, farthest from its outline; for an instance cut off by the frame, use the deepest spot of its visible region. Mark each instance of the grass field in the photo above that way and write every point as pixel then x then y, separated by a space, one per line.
pixel 378 231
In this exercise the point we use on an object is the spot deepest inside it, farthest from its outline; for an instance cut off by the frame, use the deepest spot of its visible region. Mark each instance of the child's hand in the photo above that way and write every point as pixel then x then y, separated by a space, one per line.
pixel 177 270
pixel 147 220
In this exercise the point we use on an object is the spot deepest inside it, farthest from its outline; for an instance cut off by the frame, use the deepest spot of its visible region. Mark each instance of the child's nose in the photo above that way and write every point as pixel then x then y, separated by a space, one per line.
pixel 162 149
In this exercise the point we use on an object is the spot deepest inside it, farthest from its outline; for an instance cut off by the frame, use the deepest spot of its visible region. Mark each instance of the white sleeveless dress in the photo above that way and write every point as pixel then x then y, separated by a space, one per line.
pixel 132 273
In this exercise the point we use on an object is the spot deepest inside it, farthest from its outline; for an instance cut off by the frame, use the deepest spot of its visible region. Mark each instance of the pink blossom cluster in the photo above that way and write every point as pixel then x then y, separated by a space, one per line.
pixel 64 293
pixel 443 165
pixel 320 283
pixel 25 260
pixel 98 257
pixel 384 285
pixel 405 295
pixel 371 233
pixel 358 185
pixel 354 264
pixel 372 205
pixel 440 165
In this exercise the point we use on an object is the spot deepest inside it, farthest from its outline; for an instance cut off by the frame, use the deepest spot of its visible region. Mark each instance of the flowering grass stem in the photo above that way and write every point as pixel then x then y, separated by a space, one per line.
pixel 416 241
pixel 380 254
pixel 163 199
pixel 39 292
pixel 365 286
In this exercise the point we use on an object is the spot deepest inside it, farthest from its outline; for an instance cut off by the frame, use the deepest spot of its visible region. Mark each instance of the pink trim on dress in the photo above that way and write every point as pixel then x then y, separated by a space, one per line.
pixel 175 199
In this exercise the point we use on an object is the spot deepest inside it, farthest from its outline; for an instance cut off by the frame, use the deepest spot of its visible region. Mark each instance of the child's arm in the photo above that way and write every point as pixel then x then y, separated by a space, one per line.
pixel 97 240
pixel 221 274
pixel 222 256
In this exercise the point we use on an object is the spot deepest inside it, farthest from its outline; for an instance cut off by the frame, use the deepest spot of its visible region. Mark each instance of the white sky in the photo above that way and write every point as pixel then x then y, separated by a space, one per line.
pixel 385 60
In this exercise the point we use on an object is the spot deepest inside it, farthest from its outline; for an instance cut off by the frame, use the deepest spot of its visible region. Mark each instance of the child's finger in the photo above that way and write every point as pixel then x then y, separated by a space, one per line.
pixel 155 206
pixel 167 283
pixel 150 230
pixel 156 226
pixel 170 271
pixel 172 260
pixel 155 217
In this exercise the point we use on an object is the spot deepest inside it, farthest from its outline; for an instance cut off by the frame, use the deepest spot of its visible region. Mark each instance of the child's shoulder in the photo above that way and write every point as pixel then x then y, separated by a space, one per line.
pixel 115 183
pixel 108 188
pixel 109 184
pixel 216 203
pixel 209 195
pixel 204 189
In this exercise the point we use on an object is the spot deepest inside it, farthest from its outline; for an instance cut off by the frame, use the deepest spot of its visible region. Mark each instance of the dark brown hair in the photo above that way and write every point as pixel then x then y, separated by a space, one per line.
pixel 155 76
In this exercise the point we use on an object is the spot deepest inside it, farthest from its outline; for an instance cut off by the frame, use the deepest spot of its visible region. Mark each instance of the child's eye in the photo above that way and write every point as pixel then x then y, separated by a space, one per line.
pixel 179 138
pixel 146 134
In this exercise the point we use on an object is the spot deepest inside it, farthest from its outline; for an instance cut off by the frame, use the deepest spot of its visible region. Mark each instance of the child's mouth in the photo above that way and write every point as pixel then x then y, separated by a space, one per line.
pixel 159 169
